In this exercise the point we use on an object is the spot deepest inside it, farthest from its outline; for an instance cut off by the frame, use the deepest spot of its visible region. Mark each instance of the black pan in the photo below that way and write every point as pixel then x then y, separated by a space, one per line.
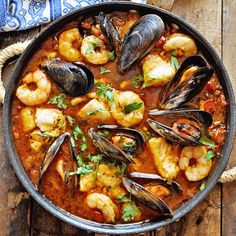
pixel 208 52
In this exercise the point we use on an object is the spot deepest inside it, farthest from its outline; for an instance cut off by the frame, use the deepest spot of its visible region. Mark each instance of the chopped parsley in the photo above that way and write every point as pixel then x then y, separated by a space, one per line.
pixel 70 120
pixel 95 158
pixel 210 155
pixel 93 43
pixel 78 133
pixel 122 198
pixel 91 113
pixel 103 70
pixel 104 133
pixel 136 81
pixel 111 56
pixel 59 100
pixel 83 169
pixel 132 107
pixel 105 90
pixel 128 147
pixel 206 140
pixel 174 63
pixel 202 186
pixel 72 141
pixel 122 170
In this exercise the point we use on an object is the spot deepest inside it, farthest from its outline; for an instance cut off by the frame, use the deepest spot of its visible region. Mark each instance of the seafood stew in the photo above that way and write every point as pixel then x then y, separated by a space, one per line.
pixel 114 134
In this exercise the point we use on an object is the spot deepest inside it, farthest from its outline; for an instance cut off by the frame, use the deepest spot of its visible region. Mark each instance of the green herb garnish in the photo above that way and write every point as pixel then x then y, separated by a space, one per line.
pixel 59 100
pixel 203 185
pixel 105 90
pixel 128 146
pixel 111 56
pixel 130 211
pixel 95 158
pixel 122 198
pixel 132 107
pixel 72 141
pixel 122 170
pixel 83 169
pixel 104 133
pixel 136 81
pixel 209 155
pixel 93 43
pixel 70 120
pixel 206 140
pixel 77 132
pixel 91 113
pixel 174 63
pixel 103 70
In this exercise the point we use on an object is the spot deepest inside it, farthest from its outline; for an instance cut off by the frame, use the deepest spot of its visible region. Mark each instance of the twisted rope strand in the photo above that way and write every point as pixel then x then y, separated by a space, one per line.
pixel 18 48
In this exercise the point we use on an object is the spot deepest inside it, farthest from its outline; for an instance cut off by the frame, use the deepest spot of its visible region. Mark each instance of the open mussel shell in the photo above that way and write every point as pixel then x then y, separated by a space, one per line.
pixel 109 149
pixel 177 93
pixel 203 117
pixel 172 135
pixel 126 132
pixel 51 153
pixel 73 79
pixel 146 197
pixel 157 179
pixel 110 32
pixel 140 39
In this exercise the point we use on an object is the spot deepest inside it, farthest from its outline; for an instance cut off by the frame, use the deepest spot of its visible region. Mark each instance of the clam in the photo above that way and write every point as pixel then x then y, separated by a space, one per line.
pixel 113 151
pixel 140 39
pixel 187 125
pixel 189 80
pixel 74 79
pixel 110 32
pixel 146 197
pixel 50 155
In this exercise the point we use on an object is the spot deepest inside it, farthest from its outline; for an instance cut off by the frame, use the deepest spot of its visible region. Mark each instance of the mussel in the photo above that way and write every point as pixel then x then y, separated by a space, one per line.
pixel 113 151
pixel 110 32
pixel 146 197
pixel 74 79
pixel 189 80
pixel 50 155
pixel 186 128
pixel 140 39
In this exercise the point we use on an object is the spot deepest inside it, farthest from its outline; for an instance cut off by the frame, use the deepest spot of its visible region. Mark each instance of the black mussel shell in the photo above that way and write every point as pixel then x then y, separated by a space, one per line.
pixel 140 39
pixel 146 197
pixel 157 179
pixel 175 93
pixel 203 117
pixel 110 32
pixel 73 79
pixel 107 148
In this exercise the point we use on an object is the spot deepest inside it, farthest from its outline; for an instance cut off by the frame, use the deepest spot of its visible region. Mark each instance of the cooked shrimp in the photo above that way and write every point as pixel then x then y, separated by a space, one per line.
pixel 164 158
pixel 40 94
pixel 50 121
pixel 96 110
pixel 200 168
pixel 69 43
pixel 100 55
pixel 156 71
pixel 103 203
pixel 127 108
pixel 183 44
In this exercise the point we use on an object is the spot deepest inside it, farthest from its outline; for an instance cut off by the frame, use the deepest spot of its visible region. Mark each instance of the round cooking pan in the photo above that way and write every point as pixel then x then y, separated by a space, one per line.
pixel 208 53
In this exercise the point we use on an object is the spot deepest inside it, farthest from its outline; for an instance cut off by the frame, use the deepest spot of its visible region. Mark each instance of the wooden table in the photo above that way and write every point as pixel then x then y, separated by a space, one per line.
pixel 216 215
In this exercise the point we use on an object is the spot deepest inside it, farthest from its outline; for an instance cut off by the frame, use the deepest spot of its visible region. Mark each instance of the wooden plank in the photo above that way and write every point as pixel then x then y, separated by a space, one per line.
pixel 229 50
pixel 14 201
pixel 205 219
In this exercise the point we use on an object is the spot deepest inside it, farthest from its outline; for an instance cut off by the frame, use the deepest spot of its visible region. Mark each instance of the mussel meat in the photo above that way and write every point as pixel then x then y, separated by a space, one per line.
pixel 50 155
pixel 125 142
pixel 110 32
pixel 140 39
pixel 74 79
pixel 189 80
pixel 146 197
pixel 186 128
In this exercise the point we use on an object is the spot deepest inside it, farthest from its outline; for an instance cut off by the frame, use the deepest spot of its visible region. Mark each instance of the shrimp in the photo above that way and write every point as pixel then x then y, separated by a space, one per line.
pixel 100 55
pixel 156 71
pixel 103 203
pixel 69 42
pixel 183 44
pixel 198 170
pixel 96 110
pixel 127 108
pixel 165 160
pixel 35 97
pixel 50 121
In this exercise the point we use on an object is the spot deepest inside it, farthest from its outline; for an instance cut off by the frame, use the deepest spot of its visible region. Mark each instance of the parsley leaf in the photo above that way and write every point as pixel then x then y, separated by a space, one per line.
pixel 122 198
pixel 209 155
pixel 95 158
pixel 104 133
pixel 72 142
pixel 136 81
pixel 83 146
pixel 128 147
pixel 91 113
pixel 70 120
pixel 79 160
pixel 105 90
pixel 132 107
pixel 93 43
pixel 111 56
pixel 174 63
pixel 103 70
pixel 203 185
pixel 59 100
pixel 84 170
pixel 122 170
pixel 130 211
pixel 77 132
pixel 205 140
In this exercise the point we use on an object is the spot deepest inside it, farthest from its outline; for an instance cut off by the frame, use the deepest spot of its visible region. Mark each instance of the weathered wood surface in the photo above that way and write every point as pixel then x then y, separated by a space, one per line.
pixel 20 215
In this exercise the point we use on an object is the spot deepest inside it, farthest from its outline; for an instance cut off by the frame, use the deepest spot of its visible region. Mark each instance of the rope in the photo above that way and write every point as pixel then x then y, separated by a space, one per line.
pixel 18 48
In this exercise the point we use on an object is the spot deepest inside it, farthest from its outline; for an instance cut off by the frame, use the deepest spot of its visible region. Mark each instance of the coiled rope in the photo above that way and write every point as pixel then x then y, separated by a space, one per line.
pixel 18 48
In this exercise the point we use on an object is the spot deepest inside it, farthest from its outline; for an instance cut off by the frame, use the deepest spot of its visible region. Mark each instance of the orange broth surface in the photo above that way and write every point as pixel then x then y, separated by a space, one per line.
pixel 52 185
